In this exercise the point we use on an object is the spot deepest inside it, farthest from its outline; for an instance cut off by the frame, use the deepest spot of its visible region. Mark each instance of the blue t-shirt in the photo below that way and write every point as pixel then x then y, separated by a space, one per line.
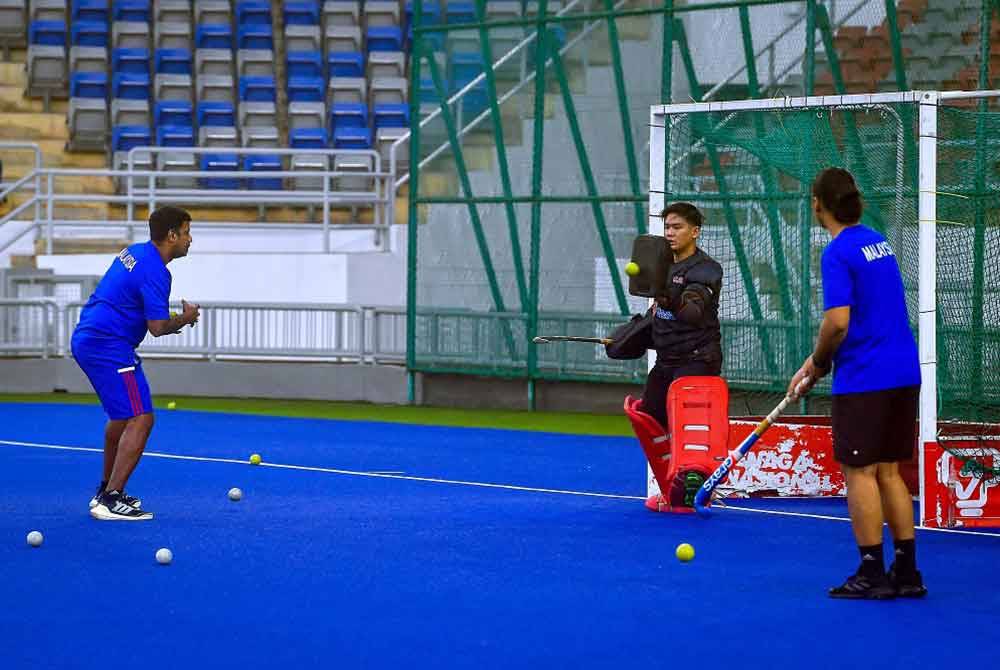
pixel 135 288
pixel 879 352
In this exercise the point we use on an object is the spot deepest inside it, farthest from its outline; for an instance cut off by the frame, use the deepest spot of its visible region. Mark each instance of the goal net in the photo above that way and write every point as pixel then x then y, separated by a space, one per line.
pixel 928 165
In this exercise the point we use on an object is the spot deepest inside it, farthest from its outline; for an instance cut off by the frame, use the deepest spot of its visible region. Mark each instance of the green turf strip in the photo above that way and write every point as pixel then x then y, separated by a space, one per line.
pixel 556 422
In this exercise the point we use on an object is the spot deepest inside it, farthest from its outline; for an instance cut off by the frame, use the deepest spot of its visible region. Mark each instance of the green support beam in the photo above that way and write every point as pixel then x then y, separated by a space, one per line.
pixel 733 226
pixel 463 176
pixel 491 94
pixel 767 174
pixel 588 179
pixel 411 207
pixel 626 118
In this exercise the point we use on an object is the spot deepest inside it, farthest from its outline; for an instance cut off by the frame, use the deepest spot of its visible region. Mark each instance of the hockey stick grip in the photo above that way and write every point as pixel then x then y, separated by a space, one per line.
pixel 704 493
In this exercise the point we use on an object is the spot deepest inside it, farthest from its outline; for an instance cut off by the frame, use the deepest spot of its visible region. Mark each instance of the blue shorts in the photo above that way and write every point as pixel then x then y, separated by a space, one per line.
pixel 117 378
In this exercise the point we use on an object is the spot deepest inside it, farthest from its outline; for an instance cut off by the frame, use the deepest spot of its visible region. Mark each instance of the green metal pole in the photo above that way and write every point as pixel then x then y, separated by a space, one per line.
pixel 477 226
pixel 767 173
pixel 809 65
pixel 588 179
pixel 860 165
pixel 667 75
pixel 411 204
pixel 979 244
pixel 733 226
pixel 536 190
pixel 894 41
pixel 491 94
pixel 633 170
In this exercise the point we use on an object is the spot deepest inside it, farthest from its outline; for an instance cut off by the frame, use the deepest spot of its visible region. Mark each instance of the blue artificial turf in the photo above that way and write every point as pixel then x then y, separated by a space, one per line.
pixel 319 569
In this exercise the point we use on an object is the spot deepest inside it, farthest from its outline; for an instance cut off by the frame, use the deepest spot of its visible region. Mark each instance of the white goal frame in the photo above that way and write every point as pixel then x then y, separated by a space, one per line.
pixel 927 103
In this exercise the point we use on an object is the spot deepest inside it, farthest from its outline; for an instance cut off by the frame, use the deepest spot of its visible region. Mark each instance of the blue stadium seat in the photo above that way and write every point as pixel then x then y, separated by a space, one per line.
pixel 475 101
pixel 307 138
pixel 88 85
pixel 172 61
pixel 263 163
pixel 130 10
pixel 346 64
pixel 253 12
pixel 431 15
pixel 460 12
pixel 175 136
pixel 130 86
pixel 221 163
pixel 47 33
pixel 465 66
pixel 305 89
pixel 301 13
pixel 213 36
pixel 348 115
pixel 89 10
pixel 385 38
pixel 391 115
pixel 255 37
pixel 258 89
pixel 304 64
pixel 427 92
pixel 172 113
pixel 352 138
pixel 124 138
pixel 134 61
pixel 89 34
pixel 216 114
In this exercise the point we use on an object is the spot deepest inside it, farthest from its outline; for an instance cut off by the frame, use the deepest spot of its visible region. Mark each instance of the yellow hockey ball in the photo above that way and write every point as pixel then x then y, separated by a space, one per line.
pixel 632 269
pixel 255 459
pixel 171 405
pixel 685 552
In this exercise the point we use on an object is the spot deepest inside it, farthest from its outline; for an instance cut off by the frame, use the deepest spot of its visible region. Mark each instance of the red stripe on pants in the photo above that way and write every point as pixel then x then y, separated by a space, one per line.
pixel 133 393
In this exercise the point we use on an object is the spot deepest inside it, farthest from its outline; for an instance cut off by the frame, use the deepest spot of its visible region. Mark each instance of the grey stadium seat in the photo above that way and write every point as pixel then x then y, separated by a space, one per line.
pixel 386 64
pixel 381 13
pixel 341 38
pixel 213 61
pixel 309 162
pixel 215 88
pixel 173 87
pixel 213 11
pixel 346 89
pixel 172 36
pixel 46 72
pixel 141 160
pixel 260 137
pixel 341 13
pixel 130 113
pixel 388 90
pixel 129 35
pixel 258 114
pixel 217 136
pixel 88 59
pixel 384 139
pixel 13 26
pixel 48 10
pixel 172 11
pixel 353 163
pixel 176 161
pixel 87 119
pixel 306 115
pixel 302 38
pixel 255 62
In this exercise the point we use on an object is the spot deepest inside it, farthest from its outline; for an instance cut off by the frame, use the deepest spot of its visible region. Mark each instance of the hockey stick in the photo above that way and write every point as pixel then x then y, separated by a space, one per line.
pixel 705 492
pixel 570 338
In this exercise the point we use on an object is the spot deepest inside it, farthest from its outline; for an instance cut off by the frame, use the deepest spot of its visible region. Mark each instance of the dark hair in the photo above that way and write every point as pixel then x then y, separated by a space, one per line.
pixel 836 190
pixel 165 219
pixel 686 211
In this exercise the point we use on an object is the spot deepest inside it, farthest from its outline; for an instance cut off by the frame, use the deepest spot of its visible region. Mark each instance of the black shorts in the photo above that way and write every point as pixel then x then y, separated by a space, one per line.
pixel 875 426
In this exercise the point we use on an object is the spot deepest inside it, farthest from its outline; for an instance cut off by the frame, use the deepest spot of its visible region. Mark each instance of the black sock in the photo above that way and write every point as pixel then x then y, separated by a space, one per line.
pixel 906 555
pixel 871 561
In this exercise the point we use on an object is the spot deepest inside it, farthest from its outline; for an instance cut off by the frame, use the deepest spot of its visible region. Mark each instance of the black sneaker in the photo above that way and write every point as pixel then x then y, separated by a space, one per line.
pixel 112 506
pixel 134 502
pixel 907 585
pixel 859 587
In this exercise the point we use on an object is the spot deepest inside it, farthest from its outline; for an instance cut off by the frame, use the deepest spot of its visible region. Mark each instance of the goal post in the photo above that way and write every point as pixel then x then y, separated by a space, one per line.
pixel 928 165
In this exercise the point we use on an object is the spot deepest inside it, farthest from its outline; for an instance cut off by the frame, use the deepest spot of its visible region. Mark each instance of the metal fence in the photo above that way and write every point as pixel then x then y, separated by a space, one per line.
pixel 261 331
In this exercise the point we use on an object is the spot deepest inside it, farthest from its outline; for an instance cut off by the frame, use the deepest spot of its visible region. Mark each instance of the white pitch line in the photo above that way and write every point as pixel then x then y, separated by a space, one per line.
pixel 458 482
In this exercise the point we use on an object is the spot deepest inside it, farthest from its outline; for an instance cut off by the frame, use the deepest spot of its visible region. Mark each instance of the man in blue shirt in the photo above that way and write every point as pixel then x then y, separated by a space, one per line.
pixel 131 299
pixel 866 338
